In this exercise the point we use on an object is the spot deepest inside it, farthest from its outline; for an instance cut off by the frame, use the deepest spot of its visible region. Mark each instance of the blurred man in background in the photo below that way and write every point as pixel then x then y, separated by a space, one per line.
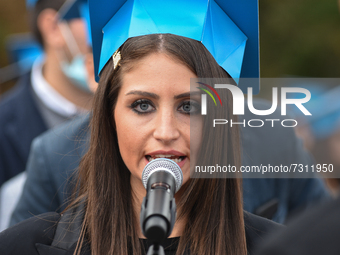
pixel 54 91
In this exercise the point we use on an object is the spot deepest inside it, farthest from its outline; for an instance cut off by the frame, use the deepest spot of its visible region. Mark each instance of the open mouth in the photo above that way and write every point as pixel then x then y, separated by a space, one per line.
pixel 176 159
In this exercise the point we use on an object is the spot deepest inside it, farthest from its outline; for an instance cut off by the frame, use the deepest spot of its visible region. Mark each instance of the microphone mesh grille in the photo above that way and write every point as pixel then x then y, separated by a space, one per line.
pixel 163 164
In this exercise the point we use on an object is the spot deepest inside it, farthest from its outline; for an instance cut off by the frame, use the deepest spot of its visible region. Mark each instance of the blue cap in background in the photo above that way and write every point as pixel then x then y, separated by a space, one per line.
pixel 30 3
pixel 325 109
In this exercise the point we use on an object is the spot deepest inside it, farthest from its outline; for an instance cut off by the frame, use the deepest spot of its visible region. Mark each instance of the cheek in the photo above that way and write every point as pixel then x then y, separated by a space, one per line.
pixel 131 140
pixel 127 135
pixel 193 137
pixel 196 130
pixel 128 145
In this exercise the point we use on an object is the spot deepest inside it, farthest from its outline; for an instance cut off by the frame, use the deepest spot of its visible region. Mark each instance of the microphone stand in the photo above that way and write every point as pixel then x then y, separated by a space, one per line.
pixel 158 213
pixel 156 250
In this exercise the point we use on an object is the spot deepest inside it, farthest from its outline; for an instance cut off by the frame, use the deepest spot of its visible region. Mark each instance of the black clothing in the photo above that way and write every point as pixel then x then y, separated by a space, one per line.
pixel 314 233
pixel 35 235
pixel 170 245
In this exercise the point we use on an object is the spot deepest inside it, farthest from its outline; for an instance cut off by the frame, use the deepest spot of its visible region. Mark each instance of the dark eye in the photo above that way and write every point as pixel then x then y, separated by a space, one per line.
pixel 142 106
pixel 189 107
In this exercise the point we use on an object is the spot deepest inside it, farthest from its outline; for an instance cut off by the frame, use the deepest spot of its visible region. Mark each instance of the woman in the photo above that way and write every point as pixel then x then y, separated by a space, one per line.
pixel 143 110
pixel 137 99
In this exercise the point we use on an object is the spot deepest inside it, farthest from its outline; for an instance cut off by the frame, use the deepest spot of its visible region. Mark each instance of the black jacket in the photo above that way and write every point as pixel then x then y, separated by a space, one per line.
pixel 36 236
pixel 20 123
pixel 314 233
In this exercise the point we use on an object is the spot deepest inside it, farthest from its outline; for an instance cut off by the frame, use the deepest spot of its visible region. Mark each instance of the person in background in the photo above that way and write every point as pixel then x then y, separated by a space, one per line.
pixel 54 91
pixel 278 199
pixel 325 127
pixel 313 233
pixel 320 132
pixel 11 190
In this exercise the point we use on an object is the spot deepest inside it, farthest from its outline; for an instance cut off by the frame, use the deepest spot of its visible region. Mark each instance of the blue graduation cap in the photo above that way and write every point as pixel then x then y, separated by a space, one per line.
pixel 325 119
pixel 227 28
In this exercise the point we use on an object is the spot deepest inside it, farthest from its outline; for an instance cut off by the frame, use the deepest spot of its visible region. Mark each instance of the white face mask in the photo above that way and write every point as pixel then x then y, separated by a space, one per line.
pixel 75 70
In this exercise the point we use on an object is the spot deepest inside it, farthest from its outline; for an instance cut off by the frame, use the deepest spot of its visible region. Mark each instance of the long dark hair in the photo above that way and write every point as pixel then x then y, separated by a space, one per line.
pixel 212 207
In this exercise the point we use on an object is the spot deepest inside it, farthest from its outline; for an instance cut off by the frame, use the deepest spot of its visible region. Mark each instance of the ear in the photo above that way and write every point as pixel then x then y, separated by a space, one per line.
pixel 47 23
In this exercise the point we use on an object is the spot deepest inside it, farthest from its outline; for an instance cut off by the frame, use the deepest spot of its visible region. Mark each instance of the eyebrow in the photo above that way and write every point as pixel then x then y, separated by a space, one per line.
pixel 143 93
pixel 155 96
pixel 187 94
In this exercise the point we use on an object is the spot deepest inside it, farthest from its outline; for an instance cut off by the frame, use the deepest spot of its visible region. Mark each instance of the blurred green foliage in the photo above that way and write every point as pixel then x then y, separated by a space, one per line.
pixel 300 38
pixel 297 37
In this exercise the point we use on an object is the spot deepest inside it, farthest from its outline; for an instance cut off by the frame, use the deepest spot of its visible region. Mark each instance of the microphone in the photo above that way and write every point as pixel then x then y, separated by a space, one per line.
pixel 162 178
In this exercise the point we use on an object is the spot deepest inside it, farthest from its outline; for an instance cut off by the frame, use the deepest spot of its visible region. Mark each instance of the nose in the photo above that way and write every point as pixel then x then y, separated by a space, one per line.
pixel 166 128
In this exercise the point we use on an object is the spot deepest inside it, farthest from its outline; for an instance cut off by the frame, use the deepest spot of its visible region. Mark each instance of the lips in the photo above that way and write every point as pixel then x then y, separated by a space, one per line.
pixel 176 156
pixel 176 159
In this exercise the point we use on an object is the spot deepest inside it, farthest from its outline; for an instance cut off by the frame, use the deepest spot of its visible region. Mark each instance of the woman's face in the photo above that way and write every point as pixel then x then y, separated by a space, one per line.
pixel 152 114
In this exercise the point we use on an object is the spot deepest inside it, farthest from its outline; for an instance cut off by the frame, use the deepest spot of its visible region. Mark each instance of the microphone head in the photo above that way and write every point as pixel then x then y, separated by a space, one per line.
pixel 163 164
